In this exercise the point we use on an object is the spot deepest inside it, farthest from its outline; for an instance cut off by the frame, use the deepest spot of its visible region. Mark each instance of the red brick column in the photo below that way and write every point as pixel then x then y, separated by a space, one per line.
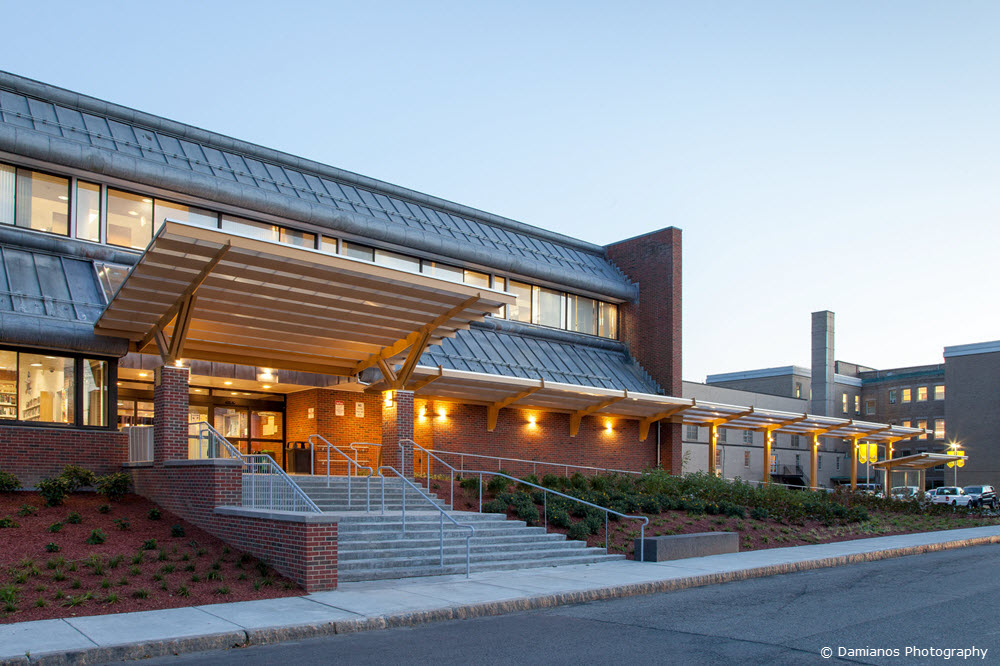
pixel 170 422
pixel 397 424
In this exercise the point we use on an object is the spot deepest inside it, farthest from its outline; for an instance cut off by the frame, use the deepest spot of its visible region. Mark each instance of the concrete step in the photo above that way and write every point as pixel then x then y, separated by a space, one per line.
pixel 350 575
pixel 411 553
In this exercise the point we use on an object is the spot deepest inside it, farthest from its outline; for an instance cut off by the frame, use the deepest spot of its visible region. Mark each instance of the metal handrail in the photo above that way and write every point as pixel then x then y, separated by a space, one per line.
pixel 444 514
pixel 534 470
pixel 354 448
pixel 545 497
pixel 258 463
pixel 350 461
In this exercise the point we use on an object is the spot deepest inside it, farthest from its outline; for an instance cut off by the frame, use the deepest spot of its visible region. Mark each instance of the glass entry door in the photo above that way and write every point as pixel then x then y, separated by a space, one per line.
pixel 252 430
pixel 233 424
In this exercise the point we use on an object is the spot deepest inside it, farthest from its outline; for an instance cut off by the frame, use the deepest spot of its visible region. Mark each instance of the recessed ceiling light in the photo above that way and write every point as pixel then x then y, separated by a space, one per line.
pixel 228 383
pixel 147 201
pixel 36 365
pixel 234 393
pixel 267 386
pixel 144 374
pixel 132 212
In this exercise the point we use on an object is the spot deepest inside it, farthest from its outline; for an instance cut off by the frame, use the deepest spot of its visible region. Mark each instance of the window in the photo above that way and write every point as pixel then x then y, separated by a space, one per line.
pixel 921 393
pixel 443 271
pixel 397 260
pixel 356 251
pixel 328 245
pixel 88 211
pixel 722 434
pixel 819 461
pixel 892 396
pixel 692 432
pixel 500 284
pixel 907 395
pixel 521 310
pixel 746 458
pixel 939 429
pixel 46 388
pixel 922 424
pixel 42 388
pixel 8 384
pixel 748 436
pixel 869 407
pixel 477 279
pixel 582 314
pixel 163 210
pixel 798 389
pixel 548 307
pixel 111 277
pixel 272 233
pixel 774 463
pixel 34 200
pixel 857 404
pixel 95 392
pixel 608 324
pixel 939 392
pixel 843 402
pixel 837 458
pixel 798 461
pixel 130 219
pixel 796 441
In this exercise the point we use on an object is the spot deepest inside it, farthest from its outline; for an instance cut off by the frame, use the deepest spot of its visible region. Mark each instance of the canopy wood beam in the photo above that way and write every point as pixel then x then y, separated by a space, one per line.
pixel 577 417
pixel 493 411
pixel 644 424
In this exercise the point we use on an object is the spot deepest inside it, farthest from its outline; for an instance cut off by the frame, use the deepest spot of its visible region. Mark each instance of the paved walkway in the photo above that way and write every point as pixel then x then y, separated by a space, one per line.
pixel 380 604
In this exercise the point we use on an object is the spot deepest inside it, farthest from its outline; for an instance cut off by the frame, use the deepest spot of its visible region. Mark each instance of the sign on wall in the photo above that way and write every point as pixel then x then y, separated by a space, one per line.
pixel 359 410
pixel 338 408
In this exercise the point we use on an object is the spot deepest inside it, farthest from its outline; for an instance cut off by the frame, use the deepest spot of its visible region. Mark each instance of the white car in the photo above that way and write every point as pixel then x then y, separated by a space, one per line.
pixel 951 495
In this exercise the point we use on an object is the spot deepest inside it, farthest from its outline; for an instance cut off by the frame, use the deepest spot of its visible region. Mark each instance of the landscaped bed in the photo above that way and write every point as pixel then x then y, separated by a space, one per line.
pixel 93 556
pixel 764 517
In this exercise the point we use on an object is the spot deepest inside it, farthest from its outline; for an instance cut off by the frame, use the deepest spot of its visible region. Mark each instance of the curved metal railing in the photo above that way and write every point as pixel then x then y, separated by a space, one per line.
pixel 265 484
pixel 350 462
pixel 547 491
pixel 444 514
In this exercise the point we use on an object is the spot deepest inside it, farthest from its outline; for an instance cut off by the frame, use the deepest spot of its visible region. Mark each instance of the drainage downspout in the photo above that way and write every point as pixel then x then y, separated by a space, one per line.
pixel 657 445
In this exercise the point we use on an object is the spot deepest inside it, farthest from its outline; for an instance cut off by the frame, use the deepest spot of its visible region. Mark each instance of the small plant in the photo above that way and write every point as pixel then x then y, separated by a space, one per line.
pixel 168 568
pixel 74 518
pixel 75 477
pixel 96 564
pixel 226 551
pixel 578 531
pixel 223 590
pixel 201 552
pixel 149 544
pixel 53 491
pixel 213 575
pixel 163 585
pixel 8 522
pixel 72 567
pixel 123 581
pixel 196 578
pixel 216 565
pixel 26 510
pixel 758 513
pixel 141 593
pixel 8 597
pixel 8 482
pixel 161 556
pixel 111 598
pixel 183 591
pixel 55 527
pixel 114 486
pixel 122 524
pixel 154 514
pixel 105 583
pixel 55 562
pixel 157 577
pixel 58 576
pixel 189 568
pixel 41 603
pixel 115 561
pixel 242 576
pixel 104 508
pixel 76 584
pixel 52 547
pixel 498 484
pixel 470 483
pixel 137 558
pixel 96 537
pixel 185 557
pixel 134 571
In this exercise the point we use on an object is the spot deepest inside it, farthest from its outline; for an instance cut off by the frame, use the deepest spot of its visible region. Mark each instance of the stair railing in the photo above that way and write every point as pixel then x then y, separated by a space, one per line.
pixel 443 514
pixel 351 463
pixel 264 484
pixel 545 495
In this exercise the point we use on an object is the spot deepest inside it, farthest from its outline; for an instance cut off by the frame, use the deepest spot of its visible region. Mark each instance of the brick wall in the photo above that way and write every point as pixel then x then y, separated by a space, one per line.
pixel 463 429
pixel 36 453
pixel 397 424
pixel 651 327
pixel 302 547
pixel 170 402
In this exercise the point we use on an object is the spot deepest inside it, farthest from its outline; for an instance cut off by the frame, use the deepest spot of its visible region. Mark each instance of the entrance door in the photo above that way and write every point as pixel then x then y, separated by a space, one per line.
pixel 233 423
pixel 252 430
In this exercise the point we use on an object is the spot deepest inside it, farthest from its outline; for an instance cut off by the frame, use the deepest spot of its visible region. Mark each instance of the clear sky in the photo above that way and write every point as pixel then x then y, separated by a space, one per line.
pixel 818 155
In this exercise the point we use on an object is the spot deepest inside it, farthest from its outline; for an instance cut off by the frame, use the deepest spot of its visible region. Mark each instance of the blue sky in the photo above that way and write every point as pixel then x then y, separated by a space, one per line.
pixel 838 155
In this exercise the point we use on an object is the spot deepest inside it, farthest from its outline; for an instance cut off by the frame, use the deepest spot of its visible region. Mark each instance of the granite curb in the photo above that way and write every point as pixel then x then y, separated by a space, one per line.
pixel 272 635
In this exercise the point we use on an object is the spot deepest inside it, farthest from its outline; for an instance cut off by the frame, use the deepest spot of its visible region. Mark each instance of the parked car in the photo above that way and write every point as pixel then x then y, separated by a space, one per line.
pixel 904 492
pixel 951 495
pixel 929 495
pixel 981 496
pixel 870 488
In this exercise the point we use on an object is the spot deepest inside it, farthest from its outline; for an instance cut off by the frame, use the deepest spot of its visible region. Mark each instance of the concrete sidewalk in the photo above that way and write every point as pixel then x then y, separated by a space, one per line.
pixel 390 603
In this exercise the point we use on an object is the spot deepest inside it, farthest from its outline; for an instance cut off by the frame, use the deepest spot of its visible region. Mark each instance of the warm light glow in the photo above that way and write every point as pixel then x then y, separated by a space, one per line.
pixel 228 383
pixel 607 425
pixel 423 412
pixel 531 420
pixel 144 374
pixel 442 413
pixel 388 399
pixel 267 386
pixel 179 363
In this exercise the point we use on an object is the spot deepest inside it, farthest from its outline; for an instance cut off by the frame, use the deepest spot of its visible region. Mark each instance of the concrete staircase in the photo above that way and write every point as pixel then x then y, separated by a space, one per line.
pixel 372 546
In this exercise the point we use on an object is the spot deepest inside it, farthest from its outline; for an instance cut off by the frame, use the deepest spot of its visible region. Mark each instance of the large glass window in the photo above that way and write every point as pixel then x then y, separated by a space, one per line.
pixel 95 392
pixel 88 211
pixel 521 310
pixel 42 202
pixel 608 324
pixel 328 245
pixel 939 392
pixel 8 385
pixel 443 271
pixel 582 314
pixel 130 219
pixel 921 393
pixel 938 428
pixel 477 279
pixel 907 395
pixel 46 388
pixel 397 260
pixel 163 210
pixel 111 277
pixel 548 307
pixel 272 233
pixel 357 251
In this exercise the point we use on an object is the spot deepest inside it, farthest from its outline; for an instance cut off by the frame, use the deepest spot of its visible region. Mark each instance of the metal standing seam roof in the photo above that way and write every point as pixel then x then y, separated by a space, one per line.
pixel 163 147
pixel 479 349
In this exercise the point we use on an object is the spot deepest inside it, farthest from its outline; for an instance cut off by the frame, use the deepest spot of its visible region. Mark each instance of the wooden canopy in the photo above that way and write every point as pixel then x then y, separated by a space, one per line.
pixel 206 294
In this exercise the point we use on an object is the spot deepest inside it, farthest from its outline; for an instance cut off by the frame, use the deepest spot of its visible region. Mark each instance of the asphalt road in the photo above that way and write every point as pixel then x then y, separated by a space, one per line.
pixel 935 601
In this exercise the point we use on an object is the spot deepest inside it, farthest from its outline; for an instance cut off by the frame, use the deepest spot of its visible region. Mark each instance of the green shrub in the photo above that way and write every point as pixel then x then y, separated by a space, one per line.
pixel 650 504
pixel 758 513
pixel 96 537
pixel 74 518
pixel 538 496
pixel 594 521
pixel 712 509
pixel 470 483
pixel 51 547
pixel 177 531
pixel 735 511
pixel 76 477
pixel 531 478
pixel 148 545
pixel 104 508
pixel 53 491
pixel 559 518
pixel 154 514
pixel 26 510
pixel 114 486
pixel 527 512
pixel 599 483
pixel 578 481
pixel 495 506
pixel 8 482
pixel 579 531
pixel 695 507
pixel 550 481
pixel 122 523
pixel 8 522
pixel 498 484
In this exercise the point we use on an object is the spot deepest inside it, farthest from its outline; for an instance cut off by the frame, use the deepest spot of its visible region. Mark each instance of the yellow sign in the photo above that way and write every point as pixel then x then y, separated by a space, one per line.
pixel 867 452
pixel 960 462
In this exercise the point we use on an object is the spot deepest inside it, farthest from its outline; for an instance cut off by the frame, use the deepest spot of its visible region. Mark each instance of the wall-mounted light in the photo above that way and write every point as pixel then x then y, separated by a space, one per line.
pixel 387 401
pixel 442 413
pixel 422 412
pixel 608 427
pixel 179 363
pixel 532 421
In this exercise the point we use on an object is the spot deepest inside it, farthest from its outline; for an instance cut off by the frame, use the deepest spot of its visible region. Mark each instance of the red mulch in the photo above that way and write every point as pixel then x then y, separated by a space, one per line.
pixel 23 545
